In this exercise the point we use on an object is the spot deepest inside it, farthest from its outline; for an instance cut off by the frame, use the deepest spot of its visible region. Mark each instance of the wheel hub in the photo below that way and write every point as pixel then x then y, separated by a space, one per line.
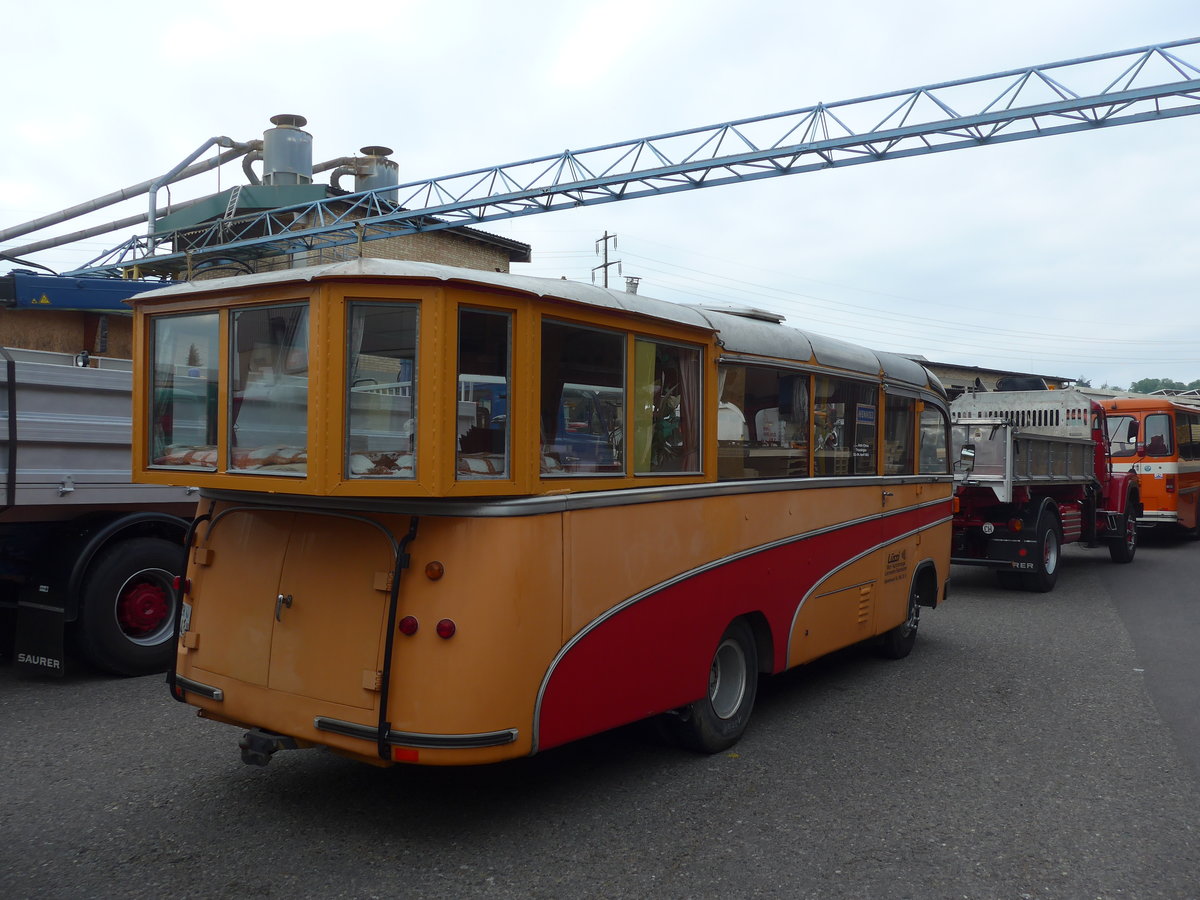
pixel 141 609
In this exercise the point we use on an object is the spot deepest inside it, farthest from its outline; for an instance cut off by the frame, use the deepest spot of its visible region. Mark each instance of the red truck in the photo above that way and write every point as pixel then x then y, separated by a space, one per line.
pixel 1033 473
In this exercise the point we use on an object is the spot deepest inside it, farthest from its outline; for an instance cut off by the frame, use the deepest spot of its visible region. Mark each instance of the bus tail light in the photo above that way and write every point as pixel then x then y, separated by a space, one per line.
pixel 1170 484
pixel 408 626
pixel 1015 525
pixel 446 628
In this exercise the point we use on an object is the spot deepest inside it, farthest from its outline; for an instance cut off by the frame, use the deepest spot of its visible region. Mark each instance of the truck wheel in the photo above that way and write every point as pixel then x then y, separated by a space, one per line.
pixel 128 615
pixel 1046 557
pixel 1122 547
pixel 716 721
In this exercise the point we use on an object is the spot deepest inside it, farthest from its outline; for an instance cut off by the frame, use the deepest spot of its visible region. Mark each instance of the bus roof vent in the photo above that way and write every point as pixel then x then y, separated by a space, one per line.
pixel 748 312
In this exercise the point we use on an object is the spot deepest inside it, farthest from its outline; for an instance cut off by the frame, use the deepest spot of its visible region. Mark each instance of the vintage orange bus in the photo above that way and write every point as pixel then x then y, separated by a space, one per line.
pixel 1158 437
pixel 451 516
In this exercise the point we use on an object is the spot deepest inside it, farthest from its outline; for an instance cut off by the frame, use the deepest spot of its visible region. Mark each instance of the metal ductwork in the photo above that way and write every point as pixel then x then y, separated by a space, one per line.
pixel 287 151
pixel 373 171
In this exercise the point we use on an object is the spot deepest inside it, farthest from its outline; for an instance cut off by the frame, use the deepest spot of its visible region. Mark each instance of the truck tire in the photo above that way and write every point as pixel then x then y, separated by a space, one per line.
pixel 1047 555
pixel 127 619
pixel 1122 547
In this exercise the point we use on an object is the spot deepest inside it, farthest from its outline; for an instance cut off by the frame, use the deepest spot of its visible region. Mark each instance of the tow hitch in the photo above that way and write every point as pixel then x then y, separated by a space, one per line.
pixel 257 746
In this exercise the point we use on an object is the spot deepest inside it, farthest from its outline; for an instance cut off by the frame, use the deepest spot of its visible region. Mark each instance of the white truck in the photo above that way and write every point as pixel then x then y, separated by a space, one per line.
pixel 86 556
pixel 1033 473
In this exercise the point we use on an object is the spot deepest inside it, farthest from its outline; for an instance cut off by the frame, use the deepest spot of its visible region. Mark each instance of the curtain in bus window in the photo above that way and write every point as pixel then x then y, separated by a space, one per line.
pixel 381 395
pixel 484 359
pixel 582 411
pixel 183 426
pixel 666 415
pixel 269 381
pixel 844 424
pixel 898 421
pixel 1158 435
pixel 933 456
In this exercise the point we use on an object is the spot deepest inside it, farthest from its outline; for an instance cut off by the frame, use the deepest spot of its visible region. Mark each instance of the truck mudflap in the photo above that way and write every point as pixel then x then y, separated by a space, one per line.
pixel 39 646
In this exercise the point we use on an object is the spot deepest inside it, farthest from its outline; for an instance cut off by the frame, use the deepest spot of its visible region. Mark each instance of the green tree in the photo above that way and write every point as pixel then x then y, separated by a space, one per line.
pixel 1150 385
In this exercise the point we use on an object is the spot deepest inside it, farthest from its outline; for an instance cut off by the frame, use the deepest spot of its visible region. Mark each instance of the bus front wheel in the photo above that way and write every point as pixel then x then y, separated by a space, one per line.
pixel 897 643
pixel 717 720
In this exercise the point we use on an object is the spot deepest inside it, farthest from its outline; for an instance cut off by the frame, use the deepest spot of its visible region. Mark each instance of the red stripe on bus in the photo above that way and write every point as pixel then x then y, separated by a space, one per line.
pixel 655 654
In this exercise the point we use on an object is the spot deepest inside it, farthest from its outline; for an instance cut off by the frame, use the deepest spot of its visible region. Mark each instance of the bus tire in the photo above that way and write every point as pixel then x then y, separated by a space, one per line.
pixel 717 720
pixel 1047 555
pixel 127 619
pixel 897 643
pixel 1122 547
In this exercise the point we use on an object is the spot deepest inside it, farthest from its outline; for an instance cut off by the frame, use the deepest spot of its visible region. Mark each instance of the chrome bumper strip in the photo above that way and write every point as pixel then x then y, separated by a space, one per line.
pixel 415 739
pixel 203 690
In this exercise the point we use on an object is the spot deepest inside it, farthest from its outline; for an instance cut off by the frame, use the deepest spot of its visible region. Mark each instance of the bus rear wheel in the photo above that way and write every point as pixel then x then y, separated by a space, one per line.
pixel 717 720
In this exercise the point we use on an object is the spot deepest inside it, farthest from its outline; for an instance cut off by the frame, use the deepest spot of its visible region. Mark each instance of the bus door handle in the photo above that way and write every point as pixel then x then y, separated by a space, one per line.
pixel 886 494
pixel 280 602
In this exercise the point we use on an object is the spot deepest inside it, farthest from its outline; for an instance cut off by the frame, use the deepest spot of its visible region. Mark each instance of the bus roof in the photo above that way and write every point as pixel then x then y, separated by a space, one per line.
pixel 1134 402
pixel 739 333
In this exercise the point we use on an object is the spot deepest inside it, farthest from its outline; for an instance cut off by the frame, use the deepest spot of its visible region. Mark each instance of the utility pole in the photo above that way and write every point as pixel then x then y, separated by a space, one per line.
pixel 602 247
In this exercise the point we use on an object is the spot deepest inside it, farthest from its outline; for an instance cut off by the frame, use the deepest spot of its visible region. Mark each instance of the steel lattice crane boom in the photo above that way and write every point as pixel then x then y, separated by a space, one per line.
pixel 1119 88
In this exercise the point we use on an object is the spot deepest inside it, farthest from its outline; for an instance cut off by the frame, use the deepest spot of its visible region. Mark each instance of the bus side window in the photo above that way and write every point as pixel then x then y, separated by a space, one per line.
pixel 898 424
pixel 845 422
pixel 762 423
pixel 933 457
pixel 582 412
pixel 666 381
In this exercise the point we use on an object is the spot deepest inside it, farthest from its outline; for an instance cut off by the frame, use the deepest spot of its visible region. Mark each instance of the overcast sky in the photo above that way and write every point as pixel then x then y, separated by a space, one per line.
pixel 1075 255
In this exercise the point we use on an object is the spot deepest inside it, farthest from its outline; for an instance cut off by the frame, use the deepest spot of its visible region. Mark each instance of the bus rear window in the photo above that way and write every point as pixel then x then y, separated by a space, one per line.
pixel 381 404
pixel 269 380
pixel 484 352
pixel 183 430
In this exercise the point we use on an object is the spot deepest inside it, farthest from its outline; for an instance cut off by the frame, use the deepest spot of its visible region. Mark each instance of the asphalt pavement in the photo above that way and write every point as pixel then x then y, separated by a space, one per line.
pixel 1033 746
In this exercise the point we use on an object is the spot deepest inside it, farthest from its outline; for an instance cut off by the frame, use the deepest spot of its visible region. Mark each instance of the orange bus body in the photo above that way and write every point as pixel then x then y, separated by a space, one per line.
pixel 1159 439
pixel 444 618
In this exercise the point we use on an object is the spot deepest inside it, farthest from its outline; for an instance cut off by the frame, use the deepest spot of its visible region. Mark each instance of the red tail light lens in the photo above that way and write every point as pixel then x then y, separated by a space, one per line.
pixel 182 585
pixel 408 625
pixel 1170 484
pixel 446 628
